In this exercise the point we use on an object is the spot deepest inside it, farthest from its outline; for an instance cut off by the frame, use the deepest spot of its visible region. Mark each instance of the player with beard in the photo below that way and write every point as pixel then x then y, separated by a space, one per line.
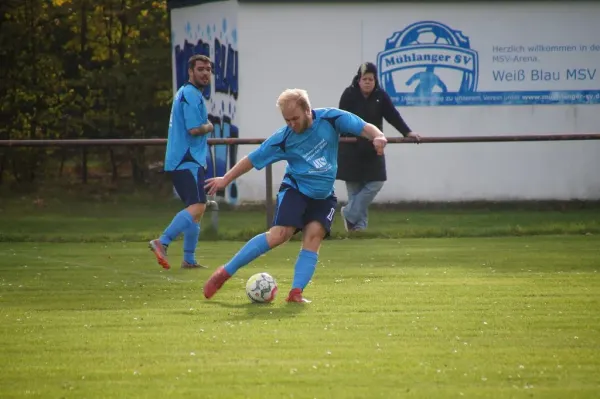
pixel 306 201
pixel 185 162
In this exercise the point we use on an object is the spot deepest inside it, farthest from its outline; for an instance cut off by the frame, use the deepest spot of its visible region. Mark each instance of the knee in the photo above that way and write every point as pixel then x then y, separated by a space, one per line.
pixel 313 236
pixel 373 187
pixel 196 210
pixel 312 243
pixel 278 235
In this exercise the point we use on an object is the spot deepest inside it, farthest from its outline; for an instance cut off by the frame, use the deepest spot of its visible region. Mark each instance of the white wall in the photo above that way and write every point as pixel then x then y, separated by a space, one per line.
pixel 319 48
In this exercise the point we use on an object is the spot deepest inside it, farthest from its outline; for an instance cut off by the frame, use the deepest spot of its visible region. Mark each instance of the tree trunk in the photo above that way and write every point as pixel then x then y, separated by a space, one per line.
pixel 113 164
pixel 63 157
pixel 33 51
pixel 138 165
pixel 15 170
pixel 84 170
pixel 2 165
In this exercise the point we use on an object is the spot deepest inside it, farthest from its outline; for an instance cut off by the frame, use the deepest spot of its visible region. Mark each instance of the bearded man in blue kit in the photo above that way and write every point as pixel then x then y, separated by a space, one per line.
pixel 306 200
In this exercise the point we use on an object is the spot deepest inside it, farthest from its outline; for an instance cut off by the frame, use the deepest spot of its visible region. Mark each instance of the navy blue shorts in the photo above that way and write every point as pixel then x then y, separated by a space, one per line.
pixel 189 184
pixel 297 210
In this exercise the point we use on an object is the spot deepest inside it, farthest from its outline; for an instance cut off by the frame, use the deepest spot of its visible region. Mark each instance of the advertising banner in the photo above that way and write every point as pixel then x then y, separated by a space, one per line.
pixel 476 58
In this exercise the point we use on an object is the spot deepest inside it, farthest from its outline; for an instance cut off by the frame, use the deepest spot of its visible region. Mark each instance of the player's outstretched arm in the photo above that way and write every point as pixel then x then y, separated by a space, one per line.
pixel 373 133
pixel 219 183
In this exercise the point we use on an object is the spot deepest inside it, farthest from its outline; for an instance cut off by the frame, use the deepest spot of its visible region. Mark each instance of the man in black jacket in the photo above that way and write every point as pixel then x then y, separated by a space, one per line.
pixel 358 164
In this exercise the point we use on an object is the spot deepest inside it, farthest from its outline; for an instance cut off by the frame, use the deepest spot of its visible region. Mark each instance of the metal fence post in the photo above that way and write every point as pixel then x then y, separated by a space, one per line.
pixel 213 205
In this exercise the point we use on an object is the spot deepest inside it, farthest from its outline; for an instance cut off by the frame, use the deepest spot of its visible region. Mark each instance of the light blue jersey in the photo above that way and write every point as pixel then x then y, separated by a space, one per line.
pixel 312 154
pixel 188 111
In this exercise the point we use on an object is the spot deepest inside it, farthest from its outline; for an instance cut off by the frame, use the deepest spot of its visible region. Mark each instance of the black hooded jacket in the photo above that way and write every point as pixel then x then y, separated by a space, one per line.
pixel 359 162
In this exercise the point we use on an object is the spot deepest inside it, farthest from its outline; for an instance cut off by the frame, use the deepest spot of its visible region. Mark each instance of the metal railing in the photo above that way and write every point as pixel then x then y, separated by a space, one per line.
pixel 268 170
pixel 232 141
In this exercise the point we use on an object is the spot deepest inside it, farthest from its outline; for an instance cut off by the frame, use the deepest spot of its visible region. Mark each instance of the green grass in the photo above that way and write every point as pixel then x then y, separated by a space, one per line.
pixel 500 317
pixel 447 301
pixel 142 218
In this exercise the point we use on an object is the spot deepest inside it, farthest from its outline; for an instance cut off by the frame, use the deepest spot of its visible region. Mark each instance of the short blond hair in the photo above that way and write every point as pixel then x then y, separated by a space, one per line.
pixel 298 97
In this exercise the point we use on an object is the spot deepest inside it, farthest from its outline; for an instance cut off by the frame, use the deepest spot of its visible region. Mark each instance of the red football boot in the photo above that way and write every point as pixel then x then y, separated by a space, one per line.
pixel 296 296
pixel 160 251
pixel 215 282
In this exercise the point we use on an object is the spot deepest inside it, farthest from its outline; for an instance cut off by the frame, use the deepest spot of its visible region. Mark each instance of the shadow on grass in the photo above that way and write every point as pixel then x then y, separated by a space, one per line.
pixel 261 311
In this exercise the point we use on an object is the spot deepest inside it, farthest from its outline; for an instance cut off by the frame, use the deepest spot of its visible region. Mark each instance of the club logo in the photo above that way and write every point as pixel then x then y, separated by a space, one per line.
pixel 425 61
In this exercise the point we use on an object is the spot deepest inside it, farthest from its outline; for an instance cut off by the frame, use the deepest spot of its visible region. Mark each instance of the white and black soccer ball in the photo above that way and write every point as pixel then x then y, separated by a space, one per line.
pixel 261 287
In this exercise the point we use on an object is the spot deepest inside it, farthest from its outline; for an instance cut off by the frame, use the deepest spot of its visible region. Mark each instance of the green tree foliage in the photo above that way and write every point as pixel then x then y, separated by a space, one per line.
pixel 82 69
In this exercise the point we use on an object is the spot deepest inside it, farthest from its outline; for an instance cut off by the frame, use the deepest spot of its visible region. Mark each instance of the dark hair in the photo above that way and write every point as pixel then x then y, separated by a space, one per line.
pixel 198 57
pixel 366 67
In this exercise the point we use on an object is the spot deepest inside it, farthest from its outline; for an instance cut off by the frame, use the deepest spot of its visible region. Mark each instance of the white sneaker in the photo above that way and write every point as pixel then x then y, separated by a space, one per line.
pixel 348 226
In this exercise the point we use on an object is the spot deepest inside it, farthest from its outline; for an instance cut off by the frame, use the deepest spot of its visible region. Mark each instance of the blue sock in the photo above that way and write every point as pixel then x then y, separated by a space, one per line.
pixel 305 268
pixel 179 224
pixel 252 250
pixel 190 241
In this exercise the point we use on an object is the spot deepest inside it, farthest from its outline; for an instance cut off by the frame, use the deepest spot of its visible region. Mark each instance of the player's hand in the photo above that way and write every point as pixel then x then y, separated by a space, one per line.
pixel 215 184
pixel 208 127
pixel 415 137
pixel 379 143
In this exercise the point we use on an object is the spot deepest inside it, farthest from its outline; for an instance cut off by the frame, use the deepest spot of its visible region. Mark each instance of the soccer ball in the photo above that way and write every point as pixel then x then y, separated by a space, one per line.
pixel 261 287
pixel 430 37
pixel 427 33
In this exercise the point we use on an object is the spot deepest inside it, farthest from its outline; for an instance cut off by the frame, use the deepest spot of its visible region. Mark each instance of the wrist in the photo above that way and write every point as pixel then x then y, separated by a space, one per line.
pixel 227 178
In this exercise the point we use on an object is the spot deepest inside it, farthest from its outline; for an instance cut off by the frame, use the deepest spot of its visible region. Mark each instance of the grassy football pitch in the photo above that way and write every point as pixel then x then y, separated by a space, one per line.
pixel 86 313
